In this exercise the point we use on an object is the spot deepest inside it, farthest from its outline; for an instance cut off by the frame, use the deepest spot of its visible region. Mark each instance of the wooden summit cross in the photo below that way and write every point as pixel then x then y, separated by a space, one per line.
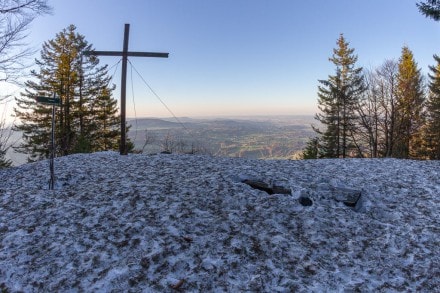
pixel 125 53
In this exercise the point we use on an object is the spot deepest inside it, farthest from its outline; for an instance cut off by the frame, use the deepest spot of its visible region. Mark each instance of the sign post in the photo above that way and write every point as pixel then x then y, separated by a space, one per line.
pixel 55 101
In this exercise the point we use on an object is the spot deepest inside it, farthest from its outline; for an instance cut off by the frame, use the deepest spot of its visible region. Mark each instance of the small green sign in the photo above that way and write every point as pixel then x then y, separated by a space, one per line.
pixel 48 101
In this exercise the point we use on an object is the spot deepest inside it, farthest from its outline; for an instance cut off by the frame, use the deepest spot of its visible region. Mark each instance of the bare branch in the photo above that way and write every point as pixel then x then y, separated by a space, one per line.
pixel 15 19
pixel 38 7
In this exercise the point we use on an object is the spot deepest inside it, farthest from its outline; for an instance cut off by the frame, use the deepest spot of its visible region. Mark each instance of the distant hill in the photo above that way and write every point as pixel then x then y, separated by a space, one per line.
pixel 153 123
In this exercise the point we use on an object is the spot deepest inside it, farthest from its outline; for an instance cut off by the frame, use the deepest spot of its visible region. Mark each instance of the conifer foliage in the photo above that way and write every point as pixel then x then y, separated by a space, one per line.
pixel 312 149
pixel 86 120
pixel 410 103
pixel 338 97
pixel 432 136
pixel 5 136
pixel 430 8
pixel 4 162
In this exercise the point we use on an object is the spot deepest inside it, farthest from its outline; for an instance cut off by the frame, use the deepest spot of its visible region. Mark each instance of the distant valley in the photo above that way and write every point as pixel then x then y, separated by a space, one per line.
pixel 254 137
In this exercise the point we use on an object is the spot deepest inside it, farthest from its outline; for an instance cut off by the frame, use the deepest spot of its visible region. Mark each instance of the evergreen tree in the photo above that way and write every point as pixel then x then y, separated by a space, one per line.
pixel 104 129
pixel 327 104
pixel 338 97
pixel 80 83
pixel 430 8
pixel 5 135
pixel 432 135
pixel 410 103
pixel 312 149
pixel 4 163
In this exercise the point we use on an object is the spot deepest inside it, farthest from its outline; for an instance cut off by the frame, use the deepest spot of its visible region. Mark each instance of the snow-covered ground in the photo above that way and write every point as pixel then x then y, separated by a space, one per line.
pixel 155 223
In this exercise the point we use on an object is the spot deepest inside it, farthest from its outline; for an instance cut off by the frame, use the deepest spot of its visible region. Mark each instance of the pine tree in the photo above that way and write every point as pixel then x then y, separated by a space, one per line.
pixel 80 83
pixel 410 103
pixel 430 8
pixel 338 97
pixel 432 135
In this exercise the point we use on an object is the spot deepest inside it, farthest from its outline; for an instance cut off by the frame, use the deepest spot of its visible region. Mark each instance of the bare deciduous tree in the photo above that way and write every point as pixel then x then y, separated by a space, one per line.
pixel 378 109
pixel 198 148
pixel 168 143
pixel 150 138
pixel 15 18
pixel 369 111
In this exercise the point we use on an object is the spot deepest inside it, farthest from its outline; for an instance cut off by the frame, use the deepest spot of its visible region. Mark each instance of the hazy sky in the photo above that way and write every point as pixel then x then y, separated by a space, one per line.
pixel 240 57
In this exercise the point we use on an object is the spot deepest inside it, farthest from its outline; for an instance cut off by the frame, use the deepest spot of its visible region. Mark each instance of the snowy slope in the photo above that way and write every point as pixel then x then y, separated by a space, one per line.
pixel 154 223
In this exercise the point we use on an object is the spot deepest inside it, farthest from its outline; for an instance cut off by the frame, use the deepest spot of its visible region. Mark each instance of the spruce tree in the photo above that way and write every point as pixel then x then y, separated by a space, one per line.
pixel 410 103
pixel 329 116
pixel 338 97
pixel 432 133
pixel 80 83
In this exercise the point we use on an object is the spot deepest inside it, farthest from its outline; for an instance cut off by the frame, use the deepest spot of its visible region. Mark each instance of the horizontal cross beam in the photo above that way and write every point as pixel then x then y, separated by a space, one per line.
pixel 131 54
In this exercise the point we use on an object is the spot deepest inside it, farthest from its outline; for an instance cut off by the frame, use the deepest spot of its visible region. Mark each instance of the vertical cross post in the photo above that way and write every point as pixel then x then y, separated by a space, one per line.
pixel 125 53
pixel 123 144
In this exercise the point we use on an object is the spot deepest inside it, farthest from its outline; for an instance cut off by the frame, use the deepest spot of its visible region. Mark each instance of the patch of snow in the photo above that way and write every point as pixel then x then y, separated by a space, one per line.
pixel 164 222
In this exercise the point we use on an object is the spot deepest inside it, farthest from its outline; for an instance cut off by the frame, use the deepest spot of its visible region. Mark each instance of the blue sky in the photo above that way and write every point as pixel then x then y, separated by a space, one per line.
pixel 240 57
